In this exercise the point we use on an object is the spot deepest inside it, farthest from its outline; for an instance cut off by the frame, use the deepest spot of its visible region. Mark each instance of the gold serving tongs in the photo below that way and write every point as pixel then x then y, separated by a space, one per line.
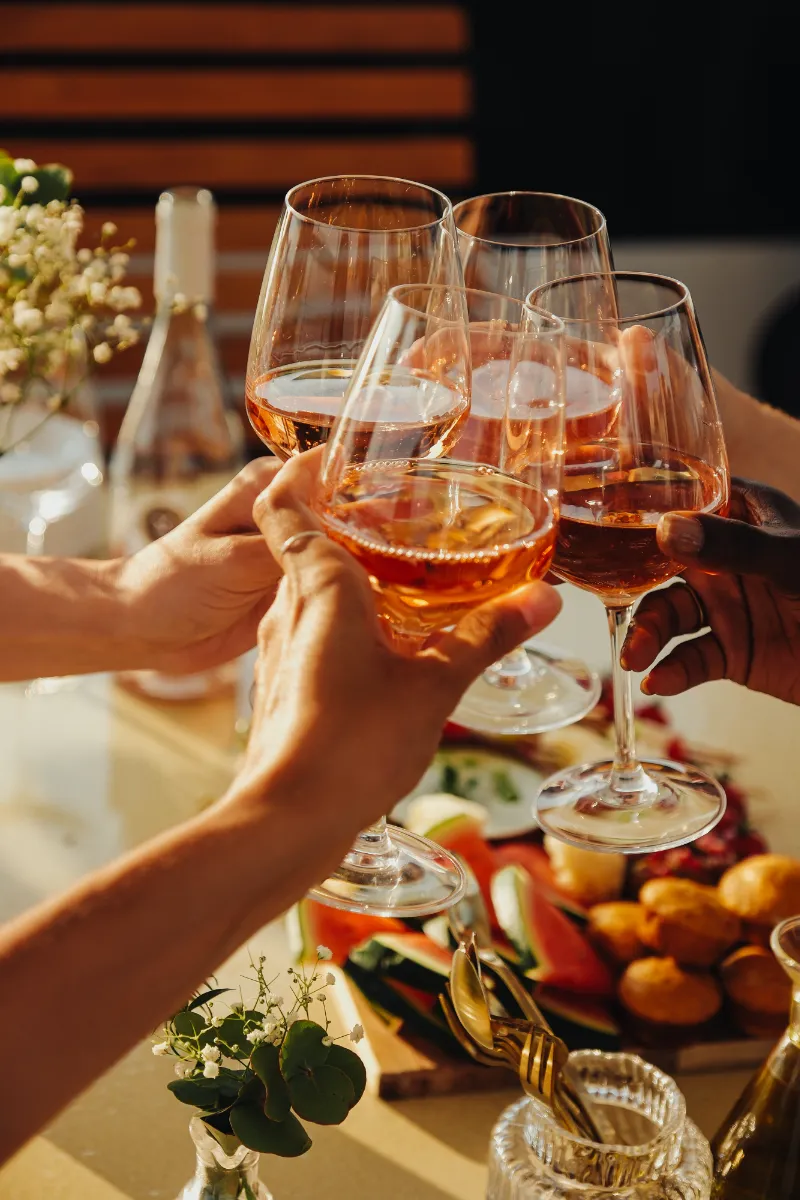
pixel 532 1050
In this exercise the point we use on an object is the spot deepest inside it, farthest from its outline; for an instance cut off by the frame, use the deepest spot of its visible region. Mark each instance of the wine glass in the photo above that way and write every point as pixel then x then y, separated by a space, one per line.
pixel 510 242
pixel 341 243
pixel 438 533
pixel 638 334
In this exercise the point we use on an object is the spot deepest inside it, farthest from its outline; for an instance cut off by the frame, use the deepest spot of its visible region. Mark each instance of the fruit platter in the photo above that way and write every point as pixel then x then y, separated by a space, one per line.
pixel 665 953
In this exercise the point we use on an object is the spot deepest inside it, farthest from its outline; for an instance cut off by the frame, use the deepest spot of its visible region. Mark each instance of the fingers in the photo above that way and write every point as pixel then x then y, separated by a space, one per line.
pixel 284 509
pixel 231 510
pixel 720 544
pixel 496 628
pixel 697 661
pixel 660 617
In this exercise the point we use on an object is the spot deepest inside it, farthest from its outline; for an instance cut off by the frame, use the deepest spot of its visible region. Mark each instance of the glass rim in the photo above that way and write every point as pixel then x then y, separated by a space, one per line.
pixel 447 207
pixel 534 299
pixel 592 208
pixel 787 960
pixel 668 1085
pixel 394 294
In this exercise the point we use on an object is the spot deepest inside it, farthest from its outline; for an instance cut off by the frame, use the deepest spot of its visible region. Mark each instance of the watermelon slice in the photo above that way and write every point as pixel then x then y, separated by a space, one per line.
pixel 584 1022
pixel 317 924
pixel 462 835
pixel 536 862
pixel 552 949
pixel 409 958
pixel 417 1012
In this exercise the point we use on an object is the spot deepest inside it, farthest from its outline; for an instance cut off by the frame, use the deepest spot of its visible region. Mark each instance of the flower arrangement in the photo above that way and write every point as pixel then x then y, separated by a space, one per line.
pixel 50 290
pixel 254 1070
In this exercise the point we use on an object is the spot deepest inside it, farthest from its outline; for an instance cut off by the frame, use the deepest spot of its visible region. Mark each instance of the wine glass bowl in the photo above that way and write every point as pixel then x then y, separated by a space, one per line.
pixel 341 244
pixel 511 242
pixel 438 531
pixel 663 451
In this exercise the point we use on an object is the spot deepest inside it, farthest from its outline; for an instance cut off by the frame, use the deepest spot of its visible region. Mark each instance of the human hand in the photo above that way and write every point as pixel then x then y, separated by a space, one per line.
pixel 333 694
pixel 196 596
pixel 751 602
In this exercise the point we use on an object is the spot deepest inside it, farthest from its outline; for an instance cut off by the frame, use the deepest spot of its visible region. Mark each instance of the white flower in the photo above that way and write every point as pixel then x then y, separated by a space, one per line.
pixel 330 979
pixel 102 353
pixel 84 255
pixel 24 164
pixel 10 360
pixel 161 1048
pixel 10 218
pixel 323 953
pixel 29 184
pixel 109 229
pixel 183 1069
pixel 201 312
pixel 34 216
pixel 27 319
pixel 97 292
pixel 356 1033
pixel 217 1021
pixel 276 1001
pixel 10 393
pixel 211 1070
pixel 122 325
pixel 210 1054
pixel 256 1035
pixel 326 1041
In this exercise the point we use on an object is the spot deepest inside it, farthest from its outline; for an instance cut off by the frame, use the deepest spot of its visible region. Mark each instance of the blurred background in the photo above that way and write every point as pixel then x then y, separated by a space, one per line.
pixel 675 124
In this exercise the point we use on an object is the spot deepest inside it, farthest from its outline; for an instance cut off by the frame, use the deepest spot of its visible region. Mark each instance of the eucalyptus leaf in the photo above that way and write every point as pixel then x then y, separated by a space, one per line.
pixel 55 183
pixel 265 1061
pixel 351 1064
pixel 207 997
pixel 288 1138
pixel 9 178
pixel 188 1024
pixel 302 1048
pixel 324 1095
pixel 202 1093
pixel 232 1033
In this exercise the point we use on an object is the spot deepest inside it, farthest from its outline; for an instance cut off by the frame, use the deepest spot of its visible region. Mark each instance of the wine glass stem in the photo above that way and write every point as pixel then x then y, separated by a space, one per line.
pixel 34 536
pixel 627 776
pixel 374 840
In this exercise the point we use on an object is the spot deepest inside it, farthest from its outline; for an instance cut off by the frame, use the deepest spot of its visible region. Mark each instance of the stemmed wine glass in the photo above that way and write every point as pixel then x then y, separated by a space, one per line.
pixel 638 335
pixel 341 243
pixel 511 242
pixel 438 533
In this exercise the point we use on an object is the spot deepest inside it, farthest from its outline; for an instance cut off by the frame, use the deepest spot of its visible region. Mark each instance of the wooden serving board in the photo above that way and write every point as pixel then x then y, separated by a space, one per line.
pixel 401 1067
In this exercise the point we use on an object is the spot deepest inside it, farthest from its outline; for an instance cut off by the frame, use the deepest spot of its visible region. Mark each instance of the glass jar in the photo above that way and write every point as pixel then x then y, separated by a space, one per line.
pixel 661 1154
pixel 229 1173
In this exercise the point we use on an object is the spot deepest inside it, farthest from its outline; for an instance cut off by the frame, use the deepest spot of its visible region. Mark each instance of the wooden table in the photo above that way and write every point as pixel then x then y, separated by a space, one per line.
pixel 90 771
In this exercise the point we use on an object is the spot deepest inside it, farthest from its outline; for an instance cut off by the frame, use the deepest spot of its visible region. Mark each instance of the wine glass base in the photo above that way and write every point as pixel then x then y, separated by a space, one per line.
pixel 557 691
pixel 577 806
pixel 416 878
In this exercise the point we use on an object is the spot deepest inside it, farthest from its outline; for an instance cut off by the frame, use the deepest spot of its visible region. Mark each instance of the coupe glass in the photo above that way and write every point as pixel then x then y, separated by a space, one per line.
pixel 438 532
pixel 341 243
pixel 511 242
pixel 637 335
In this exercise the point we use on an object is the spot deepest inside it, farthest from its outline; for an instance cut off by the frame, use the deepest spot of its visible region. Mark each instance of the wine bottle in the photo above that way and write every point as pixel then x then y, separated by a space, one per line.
pixel 757 1148
pixel 179 442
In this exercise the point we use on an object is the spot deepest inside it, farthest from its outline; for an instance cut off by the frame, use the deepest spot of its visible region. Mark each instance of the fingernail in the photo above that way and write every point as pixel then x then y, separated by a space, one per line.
pixel 644 686
pixel 683 534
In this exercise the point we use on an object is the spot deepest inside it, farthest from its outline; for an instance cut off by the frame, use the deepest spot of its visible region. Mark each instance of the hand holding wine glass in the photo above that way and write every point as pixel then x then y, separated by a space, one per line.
pixel 741 583
pixel 439 534
pixel 664 452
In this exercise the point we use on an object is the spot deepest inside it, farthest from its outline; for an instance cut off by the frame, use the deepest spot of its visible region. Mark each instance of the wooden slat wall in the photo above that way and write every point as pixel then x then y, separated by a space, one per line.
pixel 244 98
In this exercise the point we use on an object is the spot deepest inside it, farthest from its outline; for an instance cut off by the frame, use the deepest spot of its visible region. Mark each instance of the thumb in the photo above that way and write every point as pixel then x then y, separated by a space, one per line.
pixel 720 544
pixel 496 628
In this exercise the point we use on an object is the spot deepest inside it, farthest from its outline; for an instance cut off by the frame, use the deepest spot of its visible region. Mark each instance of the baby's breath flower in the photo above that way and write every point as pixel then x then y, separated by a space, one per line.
pixel 24 164
pixel 327 1041
pixel 201 312
pixel 10 360
pixel 84 255
pixel 29 184
pixel 102 353
pixel 108 229
pixel 256 1035
pixel 330 979
pixel 356 1033
pixel 182 1069
pixel 161 1048
pixel 26 318
pixel 10 393
pixel 323 953
pixel 211 1070
pixel 210 1053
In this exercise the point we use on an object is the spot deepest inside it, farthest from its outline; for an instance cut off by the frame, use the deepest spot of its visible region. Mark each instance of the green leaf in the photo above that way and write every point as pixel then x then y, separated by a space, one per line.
pixel 55 183
pixel 202 1093
pixel 302 1048
pixel 265 1061
pixel 288 1138
pixel 351 1064
pixel 324 1095
pixel 207 997
pixel 188 1024
pixel 504 787
pixel 232 1033
pixel 9 178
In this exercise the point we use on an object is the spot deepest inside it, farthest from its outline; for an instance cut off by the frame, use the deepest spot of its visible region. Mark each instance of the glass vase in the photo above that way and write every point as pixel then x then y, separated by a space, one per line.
pixel 223 1172
pixel 660 1155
